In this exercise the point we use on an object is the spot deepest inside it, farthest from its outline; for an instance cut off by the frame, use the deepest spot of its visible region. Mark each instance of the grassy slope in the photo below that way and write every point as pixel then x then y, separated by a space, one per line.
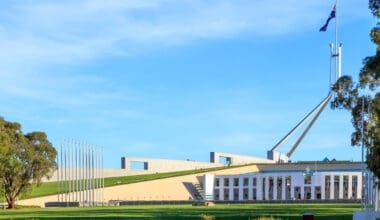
pixel 50 188
pixel 282 211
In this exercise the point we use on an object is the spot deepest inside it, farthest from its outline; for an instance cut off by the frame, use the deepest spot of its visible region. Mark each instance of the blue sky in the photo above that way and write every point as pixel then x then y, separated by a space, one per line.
pixel 178 79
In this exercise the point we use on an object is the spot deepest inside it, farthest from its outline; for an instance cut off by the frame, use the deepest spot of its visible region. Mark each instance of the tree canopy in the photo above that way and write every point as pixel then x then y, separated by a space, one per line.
pixel 362 98
pixel 24 159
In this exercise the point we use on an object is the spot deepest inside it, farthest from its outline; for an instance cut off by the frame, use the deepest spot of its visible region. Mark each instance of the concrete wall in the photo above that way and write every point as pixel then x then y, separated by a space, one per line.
pixel 174 188
pixel 162 165
pixel 277 156
pixel 237 159
pixel 208 186
pixel 151 165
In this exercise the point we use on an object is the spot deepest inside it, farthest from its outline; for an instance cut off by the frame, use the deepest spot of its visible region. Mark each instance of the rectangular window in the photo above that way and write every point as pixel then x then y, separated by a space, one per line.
pixel 279 188
pixel 217 182
pixel 216 194
pixel 354 187
pixel 254 181
pixel 336 187
pixel 297 192
pixel 226 194
pixel 138 165
pixel 236 181
pixel 307 192
pixel 245 194
pixel 307 179
pixel 345 187
pixel 327 187
pixel 271 187
pixel 236 194
pixel 317 192
pixel 245 182
pixel 226 182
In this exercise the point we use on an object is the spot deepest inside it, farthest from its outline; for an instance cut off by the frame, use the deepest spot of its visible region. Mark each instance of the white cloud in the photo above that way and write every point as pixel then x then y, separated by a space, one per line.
pixel 71 31
pixel 36 36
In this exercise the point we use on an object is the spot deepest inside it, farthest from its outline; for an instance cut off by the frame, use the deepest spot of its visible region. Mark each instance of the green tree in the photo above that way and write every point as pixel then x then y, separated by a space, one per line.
pixel 24 160
pixel 362 98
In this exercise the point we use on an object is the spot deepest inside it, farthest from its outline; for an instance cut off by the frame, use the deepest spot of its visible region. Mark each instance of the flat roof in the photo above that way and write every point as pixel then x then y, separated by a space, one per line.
pixel 322 166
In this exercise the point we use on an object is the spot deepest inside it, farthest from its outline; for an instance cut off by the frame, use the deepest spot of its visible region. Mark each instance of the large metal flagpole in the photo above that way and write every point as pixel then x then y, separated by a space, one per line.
pixel 336 40
pixel 92 174
pixel 76 172
pixel 86 173
pixel 83 173
pixel 58 170
pixel 67 198
pixel 79 173
pixel 336 48
pixel 102 164
pixel 96 174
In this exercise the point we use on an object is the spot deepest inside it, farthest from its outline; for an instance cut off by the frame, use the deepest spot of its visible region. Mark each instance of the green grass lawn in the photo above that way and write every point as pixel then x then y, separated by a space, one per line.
pixel 246 211
pixel 51 188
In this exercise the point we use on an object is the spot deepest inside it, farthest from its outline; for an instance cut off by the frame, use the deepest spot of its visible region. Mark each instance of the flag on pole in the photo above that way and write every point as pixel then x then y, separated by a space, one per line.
pixel 332 15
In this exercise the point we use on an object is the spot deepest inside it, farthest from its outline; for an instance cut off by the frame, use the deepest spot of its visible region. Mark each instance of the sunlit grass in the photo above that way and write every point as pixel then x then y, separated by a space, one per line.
pixel 171 212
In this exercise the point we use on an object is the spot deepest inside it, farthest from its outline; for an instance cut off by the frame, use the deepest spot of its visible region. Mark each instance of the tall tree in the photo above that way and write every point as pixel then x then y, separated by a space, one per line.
pixel 24 160
pixel 362 98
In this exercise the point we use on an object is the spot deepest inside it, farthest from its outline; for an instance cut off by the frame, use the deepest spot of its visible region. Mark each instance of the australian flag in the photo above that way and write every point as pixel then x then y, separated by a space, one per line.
pixel 332 15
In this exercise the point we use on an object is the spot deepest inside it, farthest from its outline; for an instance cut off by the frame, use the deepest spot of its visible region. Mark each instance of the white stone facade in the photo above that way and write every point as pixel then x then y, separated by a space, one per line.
pixel 288 185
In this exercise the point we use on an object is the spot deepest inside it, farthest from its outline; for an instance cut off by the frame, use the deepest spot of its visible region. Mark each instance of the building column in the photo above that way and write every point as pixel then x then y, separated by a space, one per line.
pixel 241 185
pixel 360 186
pixel 221 188
pixel 302 192
pixel 250 188
pixel 231 189
pixel 275 188
pixel 332 187
pixel 349 186
pixel 341 186
pixel 323 183
pixel 267 188
pixel 259 188
pixel 283 186
pixel 312 191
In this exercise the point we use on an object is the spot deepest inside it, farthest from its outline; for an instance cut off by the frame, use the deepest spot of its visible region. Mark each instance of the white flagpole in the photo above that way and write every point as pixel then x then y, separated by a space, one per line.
pixel 337 44
pixel 58 169
pixel 102 174
pixel 66 185
pixel 79 172
pixel 76 172
pixel 332 66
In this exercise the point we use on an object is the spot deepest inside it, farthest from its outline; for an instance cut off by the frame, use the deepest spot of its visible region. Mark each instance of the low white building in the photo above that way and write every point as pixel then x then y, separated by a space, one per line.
pixel 293 181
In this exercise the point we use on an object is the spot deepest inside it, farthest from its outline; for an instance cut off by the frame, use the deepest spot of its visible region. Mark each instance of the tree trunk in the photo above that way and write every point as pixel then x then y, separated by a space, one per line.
pixel 11 203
